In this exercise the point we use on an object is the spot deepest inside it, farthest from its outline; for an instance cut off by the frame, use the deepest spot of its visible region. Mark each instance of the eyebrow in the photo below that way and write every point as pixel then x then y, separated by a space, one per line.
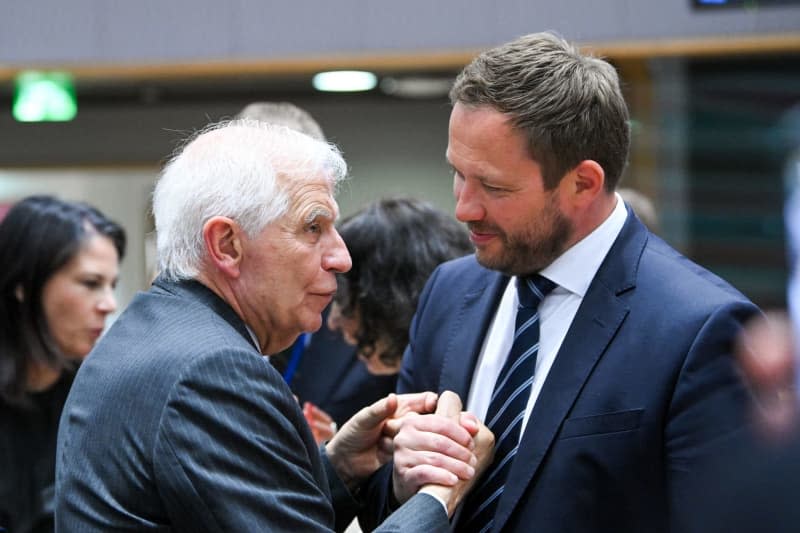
pixel 318 212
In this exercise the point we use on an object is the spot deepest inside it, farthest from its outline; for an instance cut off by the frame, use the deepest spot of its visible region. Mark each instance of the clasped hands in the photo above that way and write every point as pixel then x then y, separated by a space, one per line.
pixel 437 448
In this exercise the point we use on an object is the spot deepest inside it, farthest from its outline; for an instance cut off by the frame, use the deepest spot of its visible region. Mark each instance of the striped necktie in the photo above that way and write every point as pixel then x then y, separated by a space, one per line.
pixel 507 406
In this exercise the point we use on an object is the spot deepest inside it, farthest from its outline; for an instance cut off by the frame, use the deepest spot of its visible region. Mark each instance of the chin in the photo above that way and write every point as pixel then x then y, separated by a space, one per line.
pixel 313 325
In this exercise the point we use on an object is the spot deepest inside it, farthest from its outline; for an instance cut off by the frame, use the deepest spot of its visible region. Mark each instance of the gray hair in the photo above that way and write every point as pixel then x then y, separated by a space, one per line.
pixel 241 169
pixel 285 114
pixel 569 105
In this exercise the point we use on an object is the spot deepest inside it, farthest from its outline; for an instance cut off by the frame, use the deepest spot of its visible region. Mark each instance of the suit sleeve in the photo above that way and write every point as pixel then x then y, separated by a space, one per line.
pixel 707 415
pixel 231 454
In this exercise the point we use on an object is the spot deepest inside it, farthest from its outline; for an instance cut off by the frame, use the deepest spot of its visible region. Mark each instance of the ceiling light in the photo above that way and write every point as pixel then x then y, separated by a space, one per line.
pixel 417 86
pixel 344 81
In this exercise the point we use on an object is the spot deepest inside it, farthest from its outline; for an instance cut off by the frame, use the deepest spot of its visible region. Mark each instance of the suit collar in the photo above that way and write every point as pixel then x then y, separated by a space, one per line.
pixel 599 316
pixel 194 290
pixel 575 269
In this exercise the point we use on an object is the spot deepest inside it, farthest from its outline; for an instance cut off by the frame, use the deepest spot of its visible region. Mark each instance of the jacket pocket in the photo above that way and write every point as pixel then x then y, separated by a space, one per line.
pixel 599 424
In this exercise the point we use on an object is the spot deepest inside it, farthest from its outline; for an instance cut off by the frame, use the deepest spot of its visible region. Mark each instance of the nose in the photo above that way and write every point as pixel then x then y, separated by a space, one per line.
pixel 468 206
pixel 337 258
pixel 107 303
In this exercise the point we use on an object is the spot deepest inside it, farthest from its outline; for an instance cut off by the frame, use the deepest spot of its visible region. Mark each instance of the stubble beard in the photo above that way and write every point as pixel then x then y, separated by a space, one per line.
pixel 533 249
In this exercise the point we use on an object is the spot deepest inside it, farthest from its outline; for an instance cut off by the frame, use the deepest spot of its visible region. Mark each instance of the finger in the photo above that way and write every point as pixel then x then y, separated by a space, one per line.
pixel 385 450
pixel 469 422
pixel 420 402
pixel 425 474
pixel 321 415
pixel 437 425
pixel 412 441
pixel 461 469
pixel 449 405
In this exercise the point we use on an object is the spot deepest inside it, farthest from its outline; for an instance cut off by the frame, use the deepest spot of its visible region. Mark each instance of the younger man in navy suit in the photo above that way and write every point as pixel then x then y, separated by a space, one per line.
pixel 632 388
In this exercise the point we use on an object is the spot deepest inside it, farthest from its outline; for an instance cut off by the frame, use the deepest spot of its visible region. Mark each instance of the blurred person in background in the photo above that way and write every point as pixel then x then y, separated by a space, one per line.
pixel 756 489
pixel 60 263
pixel 321 368
pixel 284 114
pixel 394 244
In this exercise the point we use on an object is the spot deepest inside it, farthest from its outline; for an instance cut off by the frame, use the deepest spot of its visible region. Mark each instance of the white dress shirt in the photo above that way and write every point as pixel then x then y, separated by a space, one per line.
pixel 572 272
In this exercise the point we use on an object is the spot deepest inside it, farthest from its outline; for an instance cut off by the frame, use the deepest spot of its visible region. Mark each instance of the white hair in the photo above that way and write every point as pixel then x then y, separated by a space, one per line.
pixel 242 169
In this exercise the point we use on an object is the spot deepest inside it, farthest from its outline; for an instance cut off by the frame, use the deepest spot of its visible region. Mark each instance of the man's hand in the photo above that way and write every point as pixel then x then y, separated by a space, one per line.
pixel 444 452
pixel 364 443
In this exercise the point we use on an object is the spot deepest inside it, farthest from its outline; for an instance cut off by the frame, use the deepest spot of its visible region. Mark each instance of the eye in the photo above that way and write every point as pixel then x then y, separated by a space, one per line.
pixel 314 227
pixel 91 284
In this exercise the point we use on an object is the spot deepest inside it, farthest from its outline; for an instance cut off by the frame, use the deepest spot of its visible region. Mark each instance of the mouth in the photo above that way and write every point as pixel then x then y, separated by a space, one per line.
pixel 95 333
pixel 481 236
pixel 327 296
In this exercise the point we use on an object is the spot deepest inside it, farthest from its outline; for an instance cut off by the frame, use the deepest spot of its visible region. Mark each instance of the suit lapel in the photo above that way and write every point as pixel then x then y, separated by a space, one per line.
pixel 599 317
pixel 468 331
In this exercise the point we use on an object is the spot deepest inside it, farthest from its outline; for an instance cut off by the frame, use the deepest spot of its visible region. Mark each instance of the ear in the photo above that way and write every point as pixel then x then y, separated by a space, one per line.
pixel 19 294
pixel 223 240
pixel 585 182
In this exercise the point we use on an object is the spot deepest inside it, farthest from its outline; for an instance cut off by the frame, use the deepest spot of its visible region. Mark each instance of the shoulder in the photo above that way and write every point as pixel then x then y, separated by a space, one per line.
pixel 665 270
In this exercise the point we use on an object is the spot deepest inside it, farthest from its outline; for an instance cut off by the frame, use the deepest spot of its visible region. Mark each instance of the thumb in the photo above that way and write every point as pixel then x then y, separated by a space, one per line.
pixel 449 405
pixel 374 415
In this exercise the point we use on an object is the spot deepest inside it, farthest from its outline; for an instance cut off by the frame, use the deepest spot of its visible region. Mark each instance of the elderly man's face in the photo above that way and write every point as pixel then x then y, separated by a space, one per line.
pixel 289 272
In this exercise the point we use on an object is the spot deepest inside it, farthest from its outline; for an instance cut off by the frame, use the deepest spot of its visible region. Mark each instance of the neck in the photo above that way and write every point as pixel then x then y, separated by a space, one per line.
pixel 596 213
pixel 221 286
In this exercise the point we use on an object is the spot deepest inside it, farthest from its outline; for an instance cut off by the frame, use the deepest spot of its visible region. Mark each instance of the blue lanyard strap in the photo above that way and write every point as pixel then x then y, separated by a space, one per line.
pixel 294 359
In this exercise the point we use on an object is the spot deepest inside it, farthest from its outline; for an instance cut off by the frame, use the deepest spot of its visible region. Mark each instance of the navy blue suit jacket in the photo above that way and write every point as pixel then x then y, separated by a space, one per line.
pixel 643 391
pixel 175 422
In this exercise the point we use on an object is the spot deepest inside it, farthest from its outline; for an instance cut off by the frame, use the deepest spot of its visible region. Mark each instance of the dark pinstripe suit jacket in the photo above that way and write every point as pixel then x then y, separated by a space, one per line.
pixel 176 423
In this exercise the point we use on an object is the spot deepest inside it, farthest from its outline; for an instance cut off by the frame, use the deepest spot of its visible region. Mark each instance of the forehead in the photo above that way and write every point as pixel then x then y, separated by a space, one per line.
pixel 312 198
pixel 97 250
pixel 483 141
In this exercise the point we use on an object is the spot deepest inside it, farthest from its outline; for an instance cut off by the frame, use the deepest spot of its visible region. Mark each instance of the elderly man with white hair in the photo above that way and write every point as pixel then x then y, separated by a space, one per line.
pixel 177 423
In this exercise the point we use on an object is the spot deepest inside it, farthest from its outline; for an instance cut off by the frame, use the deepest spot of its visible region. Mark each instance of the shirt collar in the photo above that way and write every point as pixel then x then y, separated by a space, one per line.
pixel 575 269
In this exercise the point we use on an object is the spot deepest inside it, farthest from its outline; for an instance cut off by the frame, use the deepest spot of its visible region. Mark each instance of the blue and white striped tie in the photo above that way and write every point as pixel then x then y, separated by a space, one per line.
pixel 507 406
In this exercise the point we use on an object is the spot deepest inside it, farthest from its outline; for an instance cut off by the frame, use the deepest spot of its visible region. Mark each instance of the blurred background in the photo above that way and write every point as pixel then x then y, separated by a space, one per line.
pixel 713 87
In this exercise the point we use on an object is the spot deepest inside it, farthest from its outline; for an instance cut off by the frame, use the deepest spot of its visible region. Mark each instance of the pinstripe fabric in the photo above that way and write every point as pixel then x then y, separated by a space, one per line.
pixel 176 423
pixel 507 406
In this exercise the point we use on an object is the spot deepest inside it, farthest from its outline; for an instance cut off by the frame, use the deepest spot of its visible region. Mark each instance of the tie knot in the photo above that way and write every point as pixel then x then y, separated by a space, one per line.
pixel 532 290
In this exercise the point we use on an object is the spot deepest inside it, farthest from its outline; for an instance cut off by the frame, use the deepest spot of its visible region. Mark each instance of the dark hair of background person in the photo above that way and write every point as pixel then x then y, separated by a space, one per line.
pixel 394 244
pixel 285 114
pixel 566 118
pixel 38 236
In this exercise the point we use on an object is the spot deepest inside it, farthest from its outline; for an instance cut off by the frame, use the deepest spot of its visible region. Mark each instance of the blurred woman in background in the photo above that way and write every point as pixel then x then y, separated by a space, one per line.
pixel 395 245
pixel 60 263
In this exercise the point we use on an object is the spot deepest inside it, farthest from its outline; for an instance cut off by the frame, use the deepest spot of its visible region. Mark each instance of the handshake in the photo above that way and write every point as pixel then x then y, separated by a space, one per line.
pixel 437 448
